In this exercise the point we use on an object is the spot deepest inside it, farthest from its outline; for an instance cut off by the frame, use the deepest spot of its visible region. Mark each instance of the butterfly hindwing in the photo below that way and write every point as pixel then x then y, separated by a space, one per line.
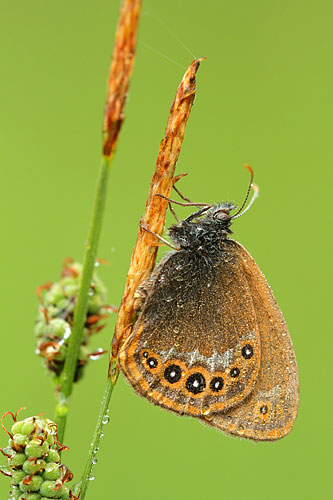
pixel 269 412
pixel 195 346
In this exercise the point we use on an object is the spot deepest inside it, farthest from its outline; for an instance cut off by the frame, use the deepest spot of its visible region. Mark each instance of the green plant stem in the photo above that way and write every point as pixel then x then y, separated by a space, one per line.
pixel 102 420
pixel 67 376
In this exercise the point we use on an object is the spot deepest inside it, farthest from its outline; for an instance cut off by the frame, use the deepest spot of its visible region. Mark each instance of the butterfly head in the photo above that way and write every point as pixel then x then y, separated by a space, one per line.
pixel 203 230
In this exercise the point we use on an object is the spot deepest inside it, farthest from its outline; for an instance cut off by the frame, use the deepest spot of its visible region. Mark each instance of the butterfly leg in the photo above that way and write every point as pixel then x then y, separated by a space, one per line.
pixel 166 242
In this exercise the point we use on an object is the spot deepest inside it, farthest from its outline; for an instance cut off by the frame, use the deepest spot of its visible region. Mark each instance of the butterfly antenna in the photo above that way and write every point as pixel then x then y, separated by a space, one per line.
pixel 254 197
pixel 247 194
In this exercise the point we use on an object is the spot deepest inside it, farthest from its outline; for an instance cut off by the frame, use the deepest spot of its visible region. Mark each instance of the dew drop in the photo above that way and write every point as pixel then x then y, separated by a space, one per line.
pixel 91 292
pixel 68 331
pixel 98 354
pixel 94 461
pixel 96 263
pixel 106 419
pixel 91 477
pixel 205 410
pixel 176 329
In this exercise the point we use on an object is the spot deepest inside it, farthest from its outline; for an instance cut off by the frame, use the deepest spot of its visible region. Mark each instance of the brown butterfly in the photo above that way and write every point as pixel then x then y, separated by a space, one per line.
pixel 210 340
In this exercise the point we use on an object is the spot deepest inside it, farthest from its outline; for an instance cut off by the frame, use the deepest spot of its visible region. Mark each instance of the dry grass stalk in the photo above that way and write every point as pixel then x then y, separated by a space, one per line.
pixel 145 251
pixel 120 73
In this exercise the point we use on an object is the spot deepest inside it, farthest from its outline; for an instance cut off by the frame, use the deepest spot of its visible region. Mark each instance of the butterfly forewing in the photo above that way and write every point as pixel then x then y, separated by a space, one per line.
pixel 270 410
pixel 195 347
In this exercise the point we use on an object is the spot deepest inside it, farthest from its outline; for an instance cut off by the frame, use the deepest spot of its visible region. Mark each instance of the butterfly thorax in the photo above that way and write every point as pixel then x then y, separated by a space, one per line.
pixel 205 234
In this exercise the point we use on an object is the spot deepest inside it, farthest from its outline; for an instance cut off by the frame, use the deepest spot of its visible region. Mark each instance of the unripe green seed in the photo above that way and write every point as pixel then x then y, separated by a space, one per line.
pixel 34 450
pixel 30 496
pixel 53 456
pixel 28 426
pixel 50 489
pixel 20 439
pixel 65 495
pixel 17 459
pixel 17 476
pixel 15 492
pixel 35 483
pixel 50 439
pixel 52 472
pixel 58 327
pixel 33 466
pixel 17 427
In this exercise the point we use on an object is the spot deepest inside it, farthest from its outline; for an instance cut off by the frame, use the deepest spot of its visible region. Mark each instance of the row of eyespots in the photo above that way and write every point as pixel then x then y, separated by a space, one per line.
pixel 196 382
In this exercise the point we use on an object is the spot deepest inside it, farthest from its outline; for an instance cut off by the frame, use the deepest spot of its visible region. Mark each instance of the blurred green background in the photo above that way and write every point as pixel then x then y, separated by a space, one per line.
pixel 264 97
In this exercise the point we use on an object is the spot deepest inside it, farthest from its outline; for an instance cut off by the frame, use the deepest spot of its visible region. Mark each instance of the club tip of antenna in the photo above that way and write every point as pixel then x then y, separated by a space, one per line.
pixel 248 168
pixel 255 188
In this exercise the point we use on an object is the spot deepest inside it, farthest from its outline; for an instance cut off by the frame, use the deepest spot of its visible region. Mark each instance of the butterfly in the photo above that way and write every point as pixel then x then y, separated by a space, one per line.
pixel 210 340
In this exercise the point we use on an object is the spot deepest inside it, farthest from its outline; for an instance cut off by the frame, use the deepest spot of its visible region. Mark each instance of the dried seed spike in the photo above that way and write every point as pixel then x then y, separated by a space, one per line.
pixel 120 73
pixel 144 254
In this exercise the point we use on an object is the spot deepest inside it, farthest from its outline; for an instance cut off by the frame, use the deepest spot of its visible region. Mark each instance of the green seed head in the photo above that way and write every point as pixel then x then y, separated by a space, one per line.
pixel 34 461
pixel 55 318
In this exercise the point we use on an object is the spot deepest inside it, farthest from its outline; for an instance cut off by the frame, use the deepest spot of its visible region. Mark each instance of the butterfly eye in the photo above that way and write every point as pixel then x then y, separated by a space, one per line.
pixel 221 215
